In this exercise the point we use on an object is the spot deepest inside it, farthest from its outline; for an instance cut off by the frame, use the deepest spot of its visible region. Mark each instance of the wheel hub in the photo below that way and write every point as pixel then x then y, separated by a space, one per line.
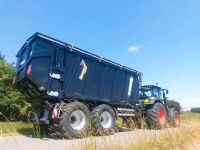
pixel 77 120
pixel 106 119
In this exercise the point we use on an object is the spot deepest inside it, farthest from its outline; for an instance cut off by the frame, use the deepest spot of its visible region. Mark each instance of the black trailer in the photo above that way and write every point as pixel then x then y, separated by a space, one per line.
pixel 59 74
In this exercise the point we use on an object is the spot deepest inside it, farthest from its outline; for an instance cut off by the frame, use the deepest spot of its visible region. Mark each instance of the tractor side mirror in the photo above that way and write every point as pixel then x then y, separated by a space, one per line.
pixel 167 92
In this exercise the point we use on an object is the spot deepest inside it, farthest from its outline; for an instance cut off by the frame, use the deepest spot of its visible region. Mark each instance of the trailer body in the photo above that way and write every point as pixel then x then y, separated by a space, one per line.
pixel 50 69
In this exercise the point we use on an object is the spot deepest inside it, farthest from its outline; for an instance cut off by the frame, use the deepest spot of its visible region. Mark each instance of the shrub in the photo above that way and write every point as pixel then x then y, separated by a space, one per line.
pixel 12 102
pixel 195 110
pixel 174 104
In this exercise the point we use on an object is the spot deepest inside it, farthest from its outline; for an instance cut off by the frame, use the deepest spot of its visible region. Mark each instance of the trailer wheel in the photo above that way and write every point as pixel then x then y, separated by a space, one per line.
pixel 156 117
pixel 175 118
pixel 103 119
pixel 75 122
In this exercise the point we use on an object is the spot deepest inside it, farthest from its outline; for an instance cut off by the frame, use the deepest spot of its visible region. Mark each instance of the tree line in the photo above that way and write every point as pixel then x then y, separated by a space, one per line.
pixel 195 110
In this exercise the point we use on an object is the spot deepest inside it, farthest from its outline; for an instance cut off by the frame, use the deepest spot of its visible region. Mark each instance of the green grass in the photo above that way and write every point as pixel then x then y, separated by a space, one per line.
pixel 15 128
pixel 190 117
pixel 119 122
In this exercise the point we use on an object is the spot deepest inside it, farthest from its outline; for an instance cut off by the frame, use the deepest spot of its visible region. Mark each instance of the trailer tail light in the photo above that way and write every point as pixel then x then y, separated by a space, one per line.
pixel 54 112
pixel 28 70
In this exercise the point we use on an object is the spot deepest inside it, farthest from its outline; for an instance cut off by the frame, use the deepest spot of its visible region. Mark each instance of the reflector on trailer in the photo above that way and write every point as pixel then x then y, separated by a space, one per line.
pixel 54 113
pixel 28 70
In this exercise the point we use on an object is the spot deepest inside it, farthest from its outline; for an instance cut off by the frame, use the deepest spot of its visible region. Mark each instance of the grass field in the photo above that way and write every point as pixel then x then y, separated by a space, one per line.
pixel 179 138
pixel 15 128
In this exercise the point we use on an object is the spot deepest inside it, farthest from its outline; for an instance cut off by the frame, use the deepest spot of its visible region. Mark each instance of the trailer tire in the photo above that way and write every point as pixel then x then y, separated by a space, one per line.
pixel 76 120
pixel 156 117
pixel 103 120
pixel 174 118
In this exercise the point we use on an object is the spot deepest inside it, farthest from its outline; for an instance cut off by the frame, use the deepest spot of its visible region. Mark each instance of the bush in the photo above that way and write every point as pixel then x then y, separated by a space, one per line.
pixel 12 102
pixel 195 110
pixel 174 104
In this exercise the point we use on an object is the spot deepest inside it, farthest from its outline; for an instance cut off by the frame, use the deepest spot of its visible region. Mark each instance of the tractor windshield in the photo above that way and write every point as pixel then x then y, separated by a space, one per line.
pixel 150 92
pixel 145 94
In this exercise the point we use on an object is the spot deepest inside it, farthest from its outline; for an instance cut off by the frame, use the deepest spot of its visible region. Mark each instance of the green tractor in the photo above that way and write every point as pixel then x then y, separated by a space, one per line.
pixel 157 113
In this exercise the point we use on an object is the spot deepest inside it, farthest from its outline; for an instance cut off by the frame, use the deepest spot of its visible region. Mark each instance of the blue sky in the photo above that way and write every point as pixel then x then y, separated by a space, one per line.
pixel 159 38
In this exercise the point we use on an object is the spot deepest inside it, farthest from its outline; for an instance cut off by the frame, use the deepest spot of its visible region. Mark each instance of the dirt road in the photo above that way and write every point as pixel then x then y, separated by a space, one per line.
pixel 116 140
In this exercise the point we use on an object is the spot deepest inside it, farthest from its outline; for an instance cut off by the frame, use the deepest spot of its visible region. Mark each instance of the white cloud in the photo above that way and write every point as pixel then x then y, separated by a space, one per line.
pixel 135 48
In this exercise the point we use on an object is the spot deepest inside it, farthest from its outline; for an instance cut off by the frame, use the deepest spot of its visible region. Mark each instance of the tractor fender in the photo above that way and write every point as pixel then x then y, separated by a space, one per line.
pixel 158 101
pixel 151 100
pixel 150 104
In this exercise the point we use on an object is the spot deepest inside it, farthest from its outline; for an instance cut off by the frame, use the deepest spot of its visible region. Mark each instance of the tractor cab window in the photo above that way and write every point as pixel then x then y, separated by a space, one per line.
pixel 145 94
pixel 156 93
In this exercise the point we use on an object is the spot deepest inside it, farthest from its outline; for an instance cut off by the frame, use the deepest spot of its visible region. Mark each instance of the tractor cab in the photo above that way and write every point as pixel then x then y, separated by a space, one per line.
pixel 156 110
pixel 151 93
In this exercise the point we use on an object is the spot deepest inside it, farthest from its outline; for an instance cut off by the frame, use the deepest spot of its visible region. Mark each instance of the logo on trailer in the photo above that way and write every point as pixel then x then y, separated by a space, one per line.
pixel 84 70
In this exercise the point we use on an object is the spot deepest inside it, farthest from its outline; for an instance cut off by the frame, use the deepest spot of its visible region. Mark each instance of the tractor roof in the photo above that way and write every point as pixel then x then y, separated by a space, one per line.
pixel 148 87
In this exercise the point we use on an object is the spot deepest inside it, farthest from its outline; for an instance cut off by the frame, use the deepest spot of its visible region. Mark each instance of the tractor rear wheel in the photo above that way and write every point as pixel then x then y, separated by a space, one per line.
pixel 156 117
pixel 103 120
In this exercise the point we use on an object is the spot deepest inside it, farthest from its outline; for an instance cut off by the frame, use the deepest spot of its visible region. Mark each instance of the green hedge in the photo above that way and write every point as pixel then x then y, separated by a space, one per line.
pixel 174 104
pixel 195 110
pixel 12 103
